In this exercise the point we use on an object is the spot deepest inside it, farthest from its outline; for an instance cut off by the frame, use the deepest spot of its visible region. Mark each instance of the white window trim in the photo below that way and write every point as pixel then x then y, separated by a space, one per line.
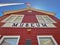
pixel 52 19
pixel 37 16
pixel 6 19
pixel 10 37
pixel 14 18
pixel 46 36
pixel 29 10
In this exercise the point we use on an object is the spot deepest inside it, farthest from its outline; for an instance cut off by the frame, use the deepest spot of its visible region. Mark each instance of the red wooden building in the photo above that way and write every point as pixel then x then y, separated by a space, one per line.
pixel 29 26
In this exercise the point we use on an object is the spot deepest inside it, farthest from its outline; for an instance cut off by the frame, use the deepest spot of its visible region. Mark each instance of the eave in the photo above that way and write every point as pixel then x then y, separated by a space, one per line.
pixel 28 8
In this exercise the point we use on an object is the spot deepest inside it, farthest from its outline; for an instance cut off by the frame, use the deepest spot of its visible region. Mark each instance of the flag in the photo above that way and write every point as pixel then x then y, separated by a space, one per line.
pixel 28 4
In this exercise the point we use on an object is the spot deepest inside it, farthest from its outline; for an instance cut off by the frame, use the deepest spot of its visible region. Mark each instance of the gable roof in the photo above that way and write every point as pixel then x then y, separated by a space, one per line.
pixel 28 8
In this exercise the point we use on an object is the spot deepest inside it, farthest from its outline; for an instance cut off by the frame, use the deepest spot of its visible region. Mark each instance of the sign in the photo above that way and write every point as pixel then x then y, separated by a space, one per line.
pixel 30 25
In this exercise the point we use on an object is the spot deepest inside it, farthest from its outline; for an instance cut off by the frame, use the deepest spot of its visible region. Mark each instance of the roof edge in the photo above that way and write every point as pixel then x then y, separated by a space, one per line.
pixel 29 8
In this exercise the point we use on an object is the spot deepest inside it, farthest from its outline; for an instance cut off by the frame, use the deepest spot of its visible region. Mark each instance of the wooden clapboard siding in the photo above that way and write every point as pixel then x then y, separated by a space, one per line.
pixel 30 17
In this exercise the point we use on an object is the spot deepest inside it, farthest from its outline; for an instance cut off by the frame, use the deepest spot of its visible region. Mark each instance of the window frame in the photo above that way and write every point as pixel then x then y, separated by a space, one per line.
pixel 1 40
pixel 7 18
pixel 46 36
pixel 44 19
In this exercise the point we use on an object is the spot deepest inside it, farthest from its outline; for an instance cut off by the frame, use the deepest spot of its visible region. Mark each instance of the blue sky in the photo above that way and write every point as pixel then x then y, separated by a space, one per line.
pixel 48 5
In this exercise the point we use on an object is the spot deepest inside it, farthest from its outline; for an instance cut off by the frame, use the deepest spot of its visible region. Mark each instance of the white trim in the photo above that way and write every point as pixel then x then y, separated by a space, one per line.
pixel 52 19
pixel 8 18
pixel 15 16
pixel 19 19
pixel 41 18
pixel 5 19
pixel 29 10
pixel 34 25
pixel 46 36
pixel 10 37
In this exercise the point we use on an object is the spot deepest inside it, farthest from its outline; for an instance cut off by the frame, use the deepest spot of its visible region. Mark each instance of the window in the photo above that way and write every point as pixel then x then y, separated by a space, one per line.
pixel 14 18
pixel 44 19
pixel 10 40
pixel 40 19
pixel 48 19
pixel 29 10
pixel 46 40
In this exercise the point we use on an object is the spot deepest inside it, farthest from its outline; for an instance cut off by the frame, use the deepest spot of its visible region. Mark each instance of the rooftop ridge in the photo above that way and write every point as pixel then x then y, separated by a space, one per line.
pixel 29 8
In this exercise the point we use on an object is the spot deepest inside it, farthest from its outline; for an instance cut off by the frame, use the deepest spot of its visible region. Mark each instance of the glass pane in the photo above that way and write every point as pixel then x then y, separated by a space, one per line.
pixel 19 18
pixel 44 19
pixel 46 41
pixel 14 18
pixel 9 41
pixel 40 19
pixel 10 19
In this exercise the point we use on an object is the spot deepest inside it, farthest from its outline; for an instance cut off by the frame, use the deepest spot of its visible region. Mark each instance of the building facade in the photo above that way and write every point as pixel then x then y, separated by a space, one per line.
pixel 29 26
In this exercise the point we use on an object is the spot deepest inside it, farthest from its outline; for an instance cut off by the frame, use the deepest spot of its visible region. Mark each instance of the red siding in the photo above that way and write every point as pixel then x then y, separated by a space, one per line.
pixel 30 17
